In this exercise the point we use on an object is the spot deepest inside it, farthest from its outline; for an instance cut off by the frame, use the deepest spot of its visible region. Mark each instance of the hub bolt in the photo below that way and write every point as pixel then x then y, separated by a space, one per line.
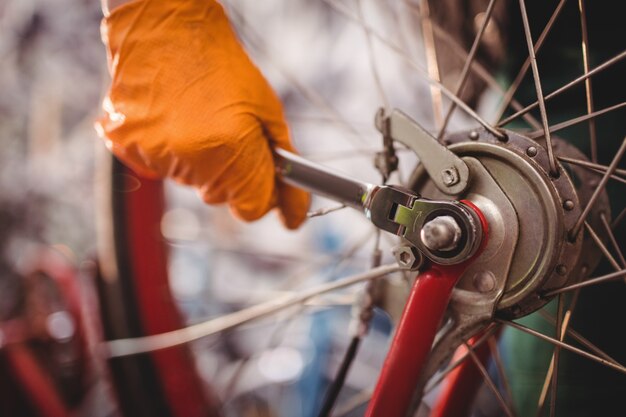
pixel 441 234
pixel 484 281
pixel 450 176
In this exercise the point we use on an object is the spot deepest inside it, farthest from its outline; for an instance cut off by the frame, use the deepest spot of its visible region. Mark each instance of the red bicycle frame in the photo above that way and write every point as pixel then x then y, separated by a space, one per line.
pixel 415 334
pixel 412 342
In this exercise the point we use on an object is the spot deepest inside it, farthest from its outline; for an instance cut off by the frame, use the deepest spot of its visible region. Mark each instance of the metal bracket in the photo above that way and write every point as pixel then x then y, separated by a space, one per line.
pixel 447 171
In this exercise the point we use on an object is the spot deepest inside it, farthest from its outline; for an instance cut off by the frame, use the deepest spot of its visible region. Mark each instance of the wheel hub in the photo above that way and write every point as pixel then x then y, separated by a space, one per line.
pixel 543 254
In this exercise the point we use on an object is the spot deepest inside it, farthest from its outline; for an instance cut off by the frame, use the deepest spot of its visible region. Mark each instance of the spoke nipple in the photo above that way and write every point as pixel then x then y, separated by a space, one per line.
pixel 531 151
pixel 502 136
pixel 568 205
pixel 441 234
pixel 561 269
pixel 572 235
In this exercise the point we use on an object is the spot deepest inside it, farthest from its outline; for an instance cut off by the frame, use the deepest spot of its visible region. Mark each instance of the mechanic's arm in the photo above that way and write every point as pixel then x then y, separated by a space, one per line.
pixel 187 102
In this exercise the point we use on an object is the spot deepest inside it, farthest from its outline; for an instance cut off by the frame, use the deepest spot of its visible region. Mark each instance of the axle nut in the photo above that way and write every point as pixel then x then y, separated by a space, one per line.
pixel 441 234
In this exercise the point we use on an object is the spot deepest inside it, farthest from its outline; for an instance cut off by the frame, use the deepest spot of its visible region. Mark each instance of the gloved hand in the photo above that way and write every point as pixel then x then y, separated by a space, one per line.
pixel 187 102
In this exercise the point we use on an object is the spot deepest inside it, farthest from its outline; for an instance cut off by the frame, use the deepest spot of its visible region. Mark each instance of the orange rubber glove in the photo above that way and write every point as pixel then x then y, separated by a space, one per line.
pixel 187 102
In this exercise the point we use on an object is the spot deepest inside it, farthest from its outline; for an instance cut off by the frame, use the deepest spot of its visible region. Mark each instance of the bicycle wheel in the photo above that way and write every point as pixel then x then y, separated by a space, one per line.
pixel 556 195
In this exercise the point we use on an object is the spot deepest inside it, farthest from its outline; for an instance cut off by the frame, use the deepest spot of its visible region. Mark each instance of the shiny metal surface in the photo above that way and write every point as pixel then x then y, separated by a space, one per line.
pixel 441 233
pixel 408 257
pixel 447 171
pixel 401 213
pixel 473 308
pixel 317 179
pixel 529 252
pixel 546 209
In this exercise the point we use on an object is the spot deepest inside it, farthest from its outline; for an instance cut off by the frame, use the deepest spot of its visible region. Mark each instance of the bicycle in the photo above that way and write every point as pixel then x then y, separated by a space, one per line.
pixel 559 177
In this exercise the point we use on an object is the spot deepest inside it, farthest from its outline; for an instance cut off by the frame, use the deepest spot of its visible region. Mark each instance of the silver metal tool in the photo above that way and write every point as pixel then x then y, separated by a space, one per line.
pixel 390 208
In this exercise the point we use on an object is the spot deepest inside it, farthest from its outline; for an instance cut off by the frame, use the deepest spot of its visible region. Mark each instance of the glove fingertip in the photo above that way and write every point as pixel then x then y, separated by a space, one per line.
pixel 294 204
pixel 252 211
pixel 257 204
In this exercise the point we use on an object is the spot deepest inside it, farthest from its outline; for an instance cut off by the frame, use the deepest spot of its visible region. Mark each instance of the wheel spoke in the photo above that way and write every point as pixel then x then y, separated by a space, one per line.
pixel 600 188
pixel 522 328
pixel 602 171
pixel 542 105
pixel 276 338
pixel 476 66
pixel 566 87
pixel 432 384
pixel 495 354
pixel 432 64
pixel 613 240
pixel 613 177
pixel 368 152
pixel 422 72
pixel 340 155
pixel 587 164
pixel 337 260
pixel 301 275
pixel 543 395
pixel 559 328
pixel 317 119
pixel 602 246
pixel 372 59
pixel 588 89
pixel 357 400
pixel 489 381
pixel 510 93
pixel 252 38
pixel 593 281
pixel 580 119
pixel 578 338
pixel 238 250
pixel 548 381
pixel 466 67
pixel 619 219
pixel 132 346
pixel 325 210
pixel 406 42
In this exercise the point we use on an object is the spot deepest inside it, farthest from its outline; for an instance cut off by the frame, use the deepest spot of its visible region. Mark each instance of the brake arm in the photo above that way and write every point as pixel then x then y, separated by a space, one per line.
pixel 447 171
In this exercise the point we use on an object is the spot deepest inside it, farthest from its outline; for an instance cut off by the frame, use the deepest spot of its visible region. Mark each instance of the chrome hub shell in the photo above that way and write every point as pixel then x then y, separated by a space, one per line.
pixel 544 256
